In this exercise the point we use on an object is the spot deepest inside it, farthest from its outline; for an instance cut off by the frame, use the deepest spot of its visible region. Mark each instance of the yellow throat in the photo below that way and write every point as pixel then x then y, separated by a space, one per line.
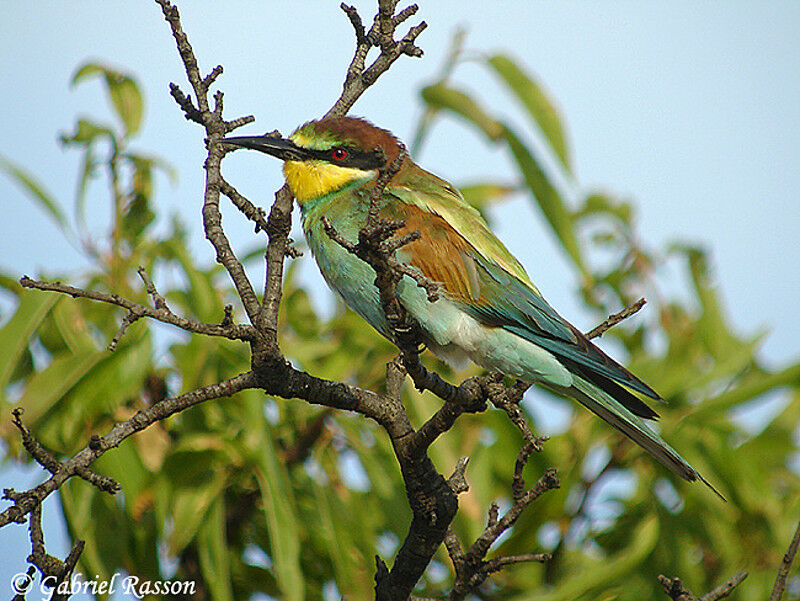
pixel 312 179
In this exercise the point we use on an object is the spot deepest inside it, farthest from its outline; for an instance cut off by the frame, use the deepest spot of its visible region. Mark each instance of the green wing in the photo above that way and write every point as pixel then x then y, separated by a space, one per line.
pixel 459 250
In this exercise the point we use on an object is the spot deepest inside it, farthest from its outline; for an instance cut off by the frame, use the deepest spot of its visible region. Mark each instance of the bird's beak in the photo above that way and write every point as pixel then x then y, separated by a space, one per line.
pixel 281 148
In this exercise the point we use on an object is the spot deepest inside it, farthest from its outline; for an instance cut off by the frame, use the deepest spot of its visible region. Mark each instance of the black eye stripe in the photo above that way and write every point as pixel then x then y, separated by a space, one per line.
pixel 355 158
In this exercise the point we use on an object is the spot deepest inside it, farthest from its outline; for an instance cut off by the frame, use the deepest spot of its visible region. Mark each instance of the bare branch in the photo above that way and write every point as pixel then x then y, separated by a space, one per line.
pixel 357 23
pixel 215 128
pixel 126 322
pixel 136 311
pixel 381 34
pixel 41 455
pixel 78 465
pixel 497 564
pixel 247 208
pixel 385 175
pixel 783 572
pixel 454 549
pixel 518 484
pixel 724 589
pixel 614 319
pixel 547 482
pixel 508 399
pixel 279 224
pixel 190 111
pixel 48 565
pixel 458 480
pixel 677 591
pixel 158 300
pixel 433 499
pixel 46 459
pixel 212 76
pixel 472 569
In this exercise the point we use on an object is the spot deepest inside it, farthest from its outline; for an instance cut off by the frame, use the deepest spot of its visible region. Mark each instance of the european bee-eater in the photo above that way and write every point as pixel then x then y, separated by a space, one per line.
pixel 490 311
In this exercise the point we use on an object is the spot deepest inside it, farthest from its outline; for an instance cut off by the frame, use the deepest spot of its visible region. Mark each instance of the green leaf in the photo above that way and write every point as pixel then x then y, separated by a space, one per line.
pixel 86 71
pixel 598 203
pixel 89 517
pixel 136 217
pixel 191 502
pixel 530 93
pixel 547 198
pixel 300 314
pixel 212 549
pixel 70 323
pixel 202 298
pixel 85 134
pixel 16 334
pixel 127 101
pixel 441 96
pixel 47 387
pixel 279 512
pixel 126 467
pixel 282 524
pixel 85 175
pixel 750 388
pixel 11 284
pixel 609 570
pixel 712 324
pixel 35 191
pixel 109 384
pixel 336 536
pixel 123 91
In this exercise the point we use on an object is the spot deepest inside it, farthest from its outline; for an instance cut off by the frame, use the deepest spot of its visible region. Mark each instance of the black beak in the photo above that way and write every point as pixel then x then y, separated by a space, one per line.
pixel 281 148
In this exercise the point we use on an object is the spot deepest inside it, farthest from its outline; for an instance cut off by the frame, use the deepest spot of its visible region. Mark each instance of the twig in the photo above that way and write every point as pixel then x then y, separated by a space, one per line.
pixel 724 589
pixel 786 564
pixel 614 319
pixel 508 399
pixel 381 34
pixel 78 465
pixel 385 175
pixel 247 208
pixel 48 565
pixel 458 480
pixel 41 455
pixel 471 568
pixel 158 300
pixel 677 591
pixel 497 564
pixel 215 128
pixel 136 311
pixel 376 247
pixel 46 459
pixel 126 322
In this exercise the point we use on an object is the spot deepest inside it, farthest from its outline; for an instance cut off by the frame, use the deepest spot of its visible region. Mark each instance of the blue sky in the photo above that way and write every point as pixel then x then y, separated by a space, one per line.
pixel 690 109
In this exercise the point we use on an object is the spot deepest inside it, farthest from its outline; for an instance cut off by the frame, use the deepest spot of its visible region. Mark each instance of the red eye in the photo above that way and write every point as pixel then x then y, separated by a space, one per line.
pixel 339 154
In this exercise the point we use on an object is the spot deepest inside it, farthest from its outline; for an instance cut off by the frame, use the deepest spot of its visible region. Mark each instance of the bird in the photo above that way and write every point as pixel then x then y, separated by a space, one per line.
pixel 489 311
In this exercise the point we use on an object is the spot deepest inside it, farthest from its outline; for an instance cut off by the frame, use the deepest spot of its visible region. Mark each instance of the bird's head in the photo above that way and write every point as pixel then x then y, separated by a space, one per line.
pixel 323 156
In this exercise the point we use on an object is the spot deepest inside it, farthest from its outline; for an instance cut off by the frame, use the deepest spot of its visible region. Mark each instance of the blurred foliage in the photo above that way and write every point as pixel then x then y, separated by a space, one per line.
pixel 242 503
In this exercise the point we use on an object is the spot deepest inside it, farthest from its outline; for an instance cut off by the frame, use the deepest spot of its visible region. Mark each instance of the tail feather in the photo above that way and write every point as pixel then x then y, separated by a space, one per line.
pixel 613 412
pixel 627 399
